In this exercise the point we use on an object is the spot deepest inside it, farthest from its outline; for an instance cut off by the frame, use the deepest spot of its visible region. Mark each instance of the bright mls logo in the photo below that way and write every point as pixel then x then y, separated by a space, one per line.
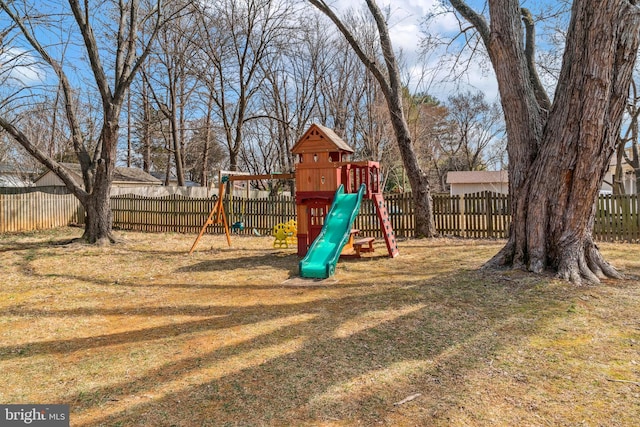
pixel 34 415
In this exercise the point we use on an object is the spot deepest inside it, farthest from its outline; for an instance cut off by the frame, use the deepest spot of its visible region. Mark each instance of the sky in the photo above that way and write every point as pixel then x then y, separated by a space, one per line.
pixel 406 33
pixel 406 29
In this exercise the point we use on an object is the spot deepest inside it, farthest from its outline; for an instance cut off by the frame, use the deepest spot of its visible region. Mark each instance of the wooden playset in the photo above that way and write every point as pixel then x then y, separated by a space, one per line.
pixel 322 167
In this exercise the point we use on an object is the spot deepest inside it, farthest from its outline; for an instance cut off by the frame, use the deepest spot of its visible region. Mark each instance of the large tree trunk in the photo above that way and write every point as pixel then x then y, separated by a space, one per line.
pixel 98 217
pixel 557 159
pixel 420 187
pixel 97 203
pixel 129 55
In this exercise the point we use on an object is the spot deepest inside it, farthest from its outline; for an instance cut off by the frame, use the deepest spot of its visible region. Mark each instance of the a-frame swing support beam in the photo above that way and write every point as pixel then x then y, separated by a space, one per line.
pixel 269 176
pixel 218 215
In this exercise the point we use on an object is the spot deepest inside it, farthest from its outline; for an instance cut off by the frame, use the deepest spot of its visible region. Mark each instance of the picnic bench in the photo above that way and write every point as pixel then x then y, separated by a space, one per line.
pixel 364 244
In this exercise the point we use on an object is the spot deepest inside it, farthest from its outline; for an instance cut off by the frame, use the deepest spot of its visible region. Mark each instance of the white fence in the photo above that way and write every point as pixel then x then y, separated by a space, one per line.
pixel 37 210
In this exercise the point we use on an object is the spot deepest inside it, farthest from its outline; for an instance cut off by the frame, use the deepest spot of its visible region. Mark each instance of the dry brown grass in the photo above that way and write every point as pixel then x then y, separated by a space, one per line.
pixel 141 334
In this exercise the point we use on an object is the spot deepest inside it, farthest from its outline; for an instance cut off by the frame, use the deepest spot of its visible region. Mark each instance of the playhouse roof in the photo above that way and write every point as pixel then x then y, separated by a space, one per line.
pixel 324 139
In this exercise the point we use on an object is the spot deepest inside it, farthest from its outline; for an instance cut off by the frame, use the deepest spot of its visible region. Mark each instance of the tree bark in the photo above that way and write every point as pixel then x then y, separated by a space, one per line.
pixel 99 217
pixel 420 187
pixel 557 160
pixel 146 130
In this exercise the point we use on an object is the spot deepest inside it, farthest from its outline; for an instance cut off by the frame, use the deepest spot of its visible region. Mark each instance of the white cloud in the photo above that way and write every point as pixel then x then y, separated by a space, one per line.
pixel 406 34
pixel 19 65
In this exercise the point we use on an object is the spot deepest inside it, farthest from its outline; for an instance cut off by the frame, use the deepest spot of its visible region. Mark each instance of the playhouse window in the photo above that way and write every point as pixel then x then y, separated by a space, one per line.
pixel 317 216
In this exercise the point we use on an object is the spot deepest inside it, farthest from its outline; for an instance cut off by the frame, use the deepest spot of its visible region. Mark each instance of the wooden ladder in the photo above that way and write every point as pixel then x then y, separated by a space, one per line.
pixel 385 225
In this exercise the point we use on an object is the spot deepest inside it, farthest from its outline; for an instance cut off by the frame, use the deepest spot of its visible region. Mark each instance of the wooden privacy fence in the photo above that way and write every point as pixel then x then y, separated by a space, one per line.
pixel 35 211
pixel 617 218
pixel 187 215
pixel 481 215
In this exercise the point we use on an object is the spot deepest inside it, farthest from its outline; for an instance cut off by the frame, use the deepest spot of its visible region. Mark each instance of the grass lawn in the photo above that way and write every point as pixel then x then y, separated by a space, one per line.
pixel 142 334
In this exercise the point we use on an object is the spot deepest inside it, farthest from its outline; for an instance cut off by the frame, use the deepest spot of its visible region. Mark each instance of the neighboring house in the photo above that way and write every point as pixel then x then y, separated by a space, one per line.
pixel 122 177
pixel 628 178
pixel 173 181
pixel 469 182
pixel 14 176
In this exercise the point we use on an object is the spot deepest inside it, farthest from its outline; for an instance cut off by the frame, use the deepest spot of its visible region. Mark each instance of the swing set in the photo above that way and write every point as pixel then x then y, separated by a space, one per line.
pixel 218 214
pixel 238 225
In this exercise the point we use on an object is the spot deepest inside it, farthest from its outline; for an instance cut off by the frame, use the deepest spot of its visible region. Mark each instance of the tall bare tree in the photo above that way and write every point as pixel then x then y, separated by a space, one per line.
pixel 290 96
pixel 170 78
pixel 236 38
pixel 559 149
pixel 390 83
pixel 477 125
pixel 110 75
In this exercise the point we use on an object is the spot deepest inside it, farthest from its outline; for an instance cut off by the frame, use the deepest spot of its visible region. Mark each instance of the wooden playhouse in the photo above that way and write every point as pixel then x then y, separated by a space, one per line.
pixel 322 165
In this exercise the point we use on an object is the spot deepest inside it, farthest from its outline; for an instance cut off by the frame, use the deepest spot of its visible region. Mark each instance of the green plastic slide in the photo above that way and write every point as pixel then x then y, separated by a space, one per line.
pixel 322 257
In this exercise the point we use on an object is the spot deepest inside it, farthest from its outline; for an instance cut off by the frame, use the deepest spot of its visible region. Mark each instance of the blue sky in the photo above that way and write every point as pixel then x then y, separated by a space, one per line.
pixel 406 30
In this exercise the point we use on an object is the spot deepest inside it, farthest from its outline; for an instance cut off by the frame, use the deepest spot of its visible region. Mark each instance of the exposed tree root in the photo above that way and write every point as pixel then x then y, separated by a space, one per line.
pixel 578 264
pixel 104 240
pixel 504 258
pixel 585 264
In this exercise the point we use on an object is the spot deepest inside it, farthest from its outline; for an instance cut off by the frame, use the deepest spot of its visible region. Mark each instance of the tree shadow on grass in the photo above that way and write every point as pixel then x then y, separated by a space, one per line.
pixel 43 244
pixel 288 262
pixel 344 359
pixel 282 262
pixel 274 260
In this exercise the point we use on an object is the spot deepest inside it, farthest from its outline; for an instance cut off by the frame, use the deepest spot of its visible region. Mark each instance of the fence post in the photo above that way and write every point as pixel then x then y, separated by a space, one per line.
pixel 3 219
pixel 489 201
pixel 463 220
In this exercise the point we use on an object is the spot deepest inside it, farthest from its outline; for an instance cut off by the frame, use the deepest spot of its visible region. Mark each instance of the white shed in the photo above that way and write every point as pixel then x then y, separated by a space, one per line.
pixel 469 182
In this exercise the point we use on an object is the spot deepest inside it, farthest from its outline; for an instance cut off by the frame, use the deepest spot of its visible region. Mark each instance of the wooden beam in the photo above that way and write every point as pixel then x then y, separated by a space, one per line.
pixel 259 177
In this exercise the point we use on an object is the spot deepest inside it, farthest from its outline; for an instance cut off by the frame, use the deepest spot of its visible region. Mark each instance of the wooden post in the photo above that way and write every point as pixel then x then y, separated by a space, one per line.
pixel 489 202
pixel 463 222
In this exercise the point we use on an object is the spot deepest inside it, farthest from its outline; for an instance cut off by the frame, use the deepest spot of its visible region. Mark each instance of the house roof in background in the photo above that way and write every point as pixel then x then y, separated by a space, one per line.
pixel 13 169
pixel 477 177
pixel 120 174
pixel 124 174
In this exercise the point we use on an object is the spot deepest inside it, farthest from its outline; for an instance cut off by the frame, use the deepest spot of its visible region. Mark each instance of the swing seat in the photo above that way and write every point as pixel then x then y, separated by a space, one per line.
pixel 239 226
